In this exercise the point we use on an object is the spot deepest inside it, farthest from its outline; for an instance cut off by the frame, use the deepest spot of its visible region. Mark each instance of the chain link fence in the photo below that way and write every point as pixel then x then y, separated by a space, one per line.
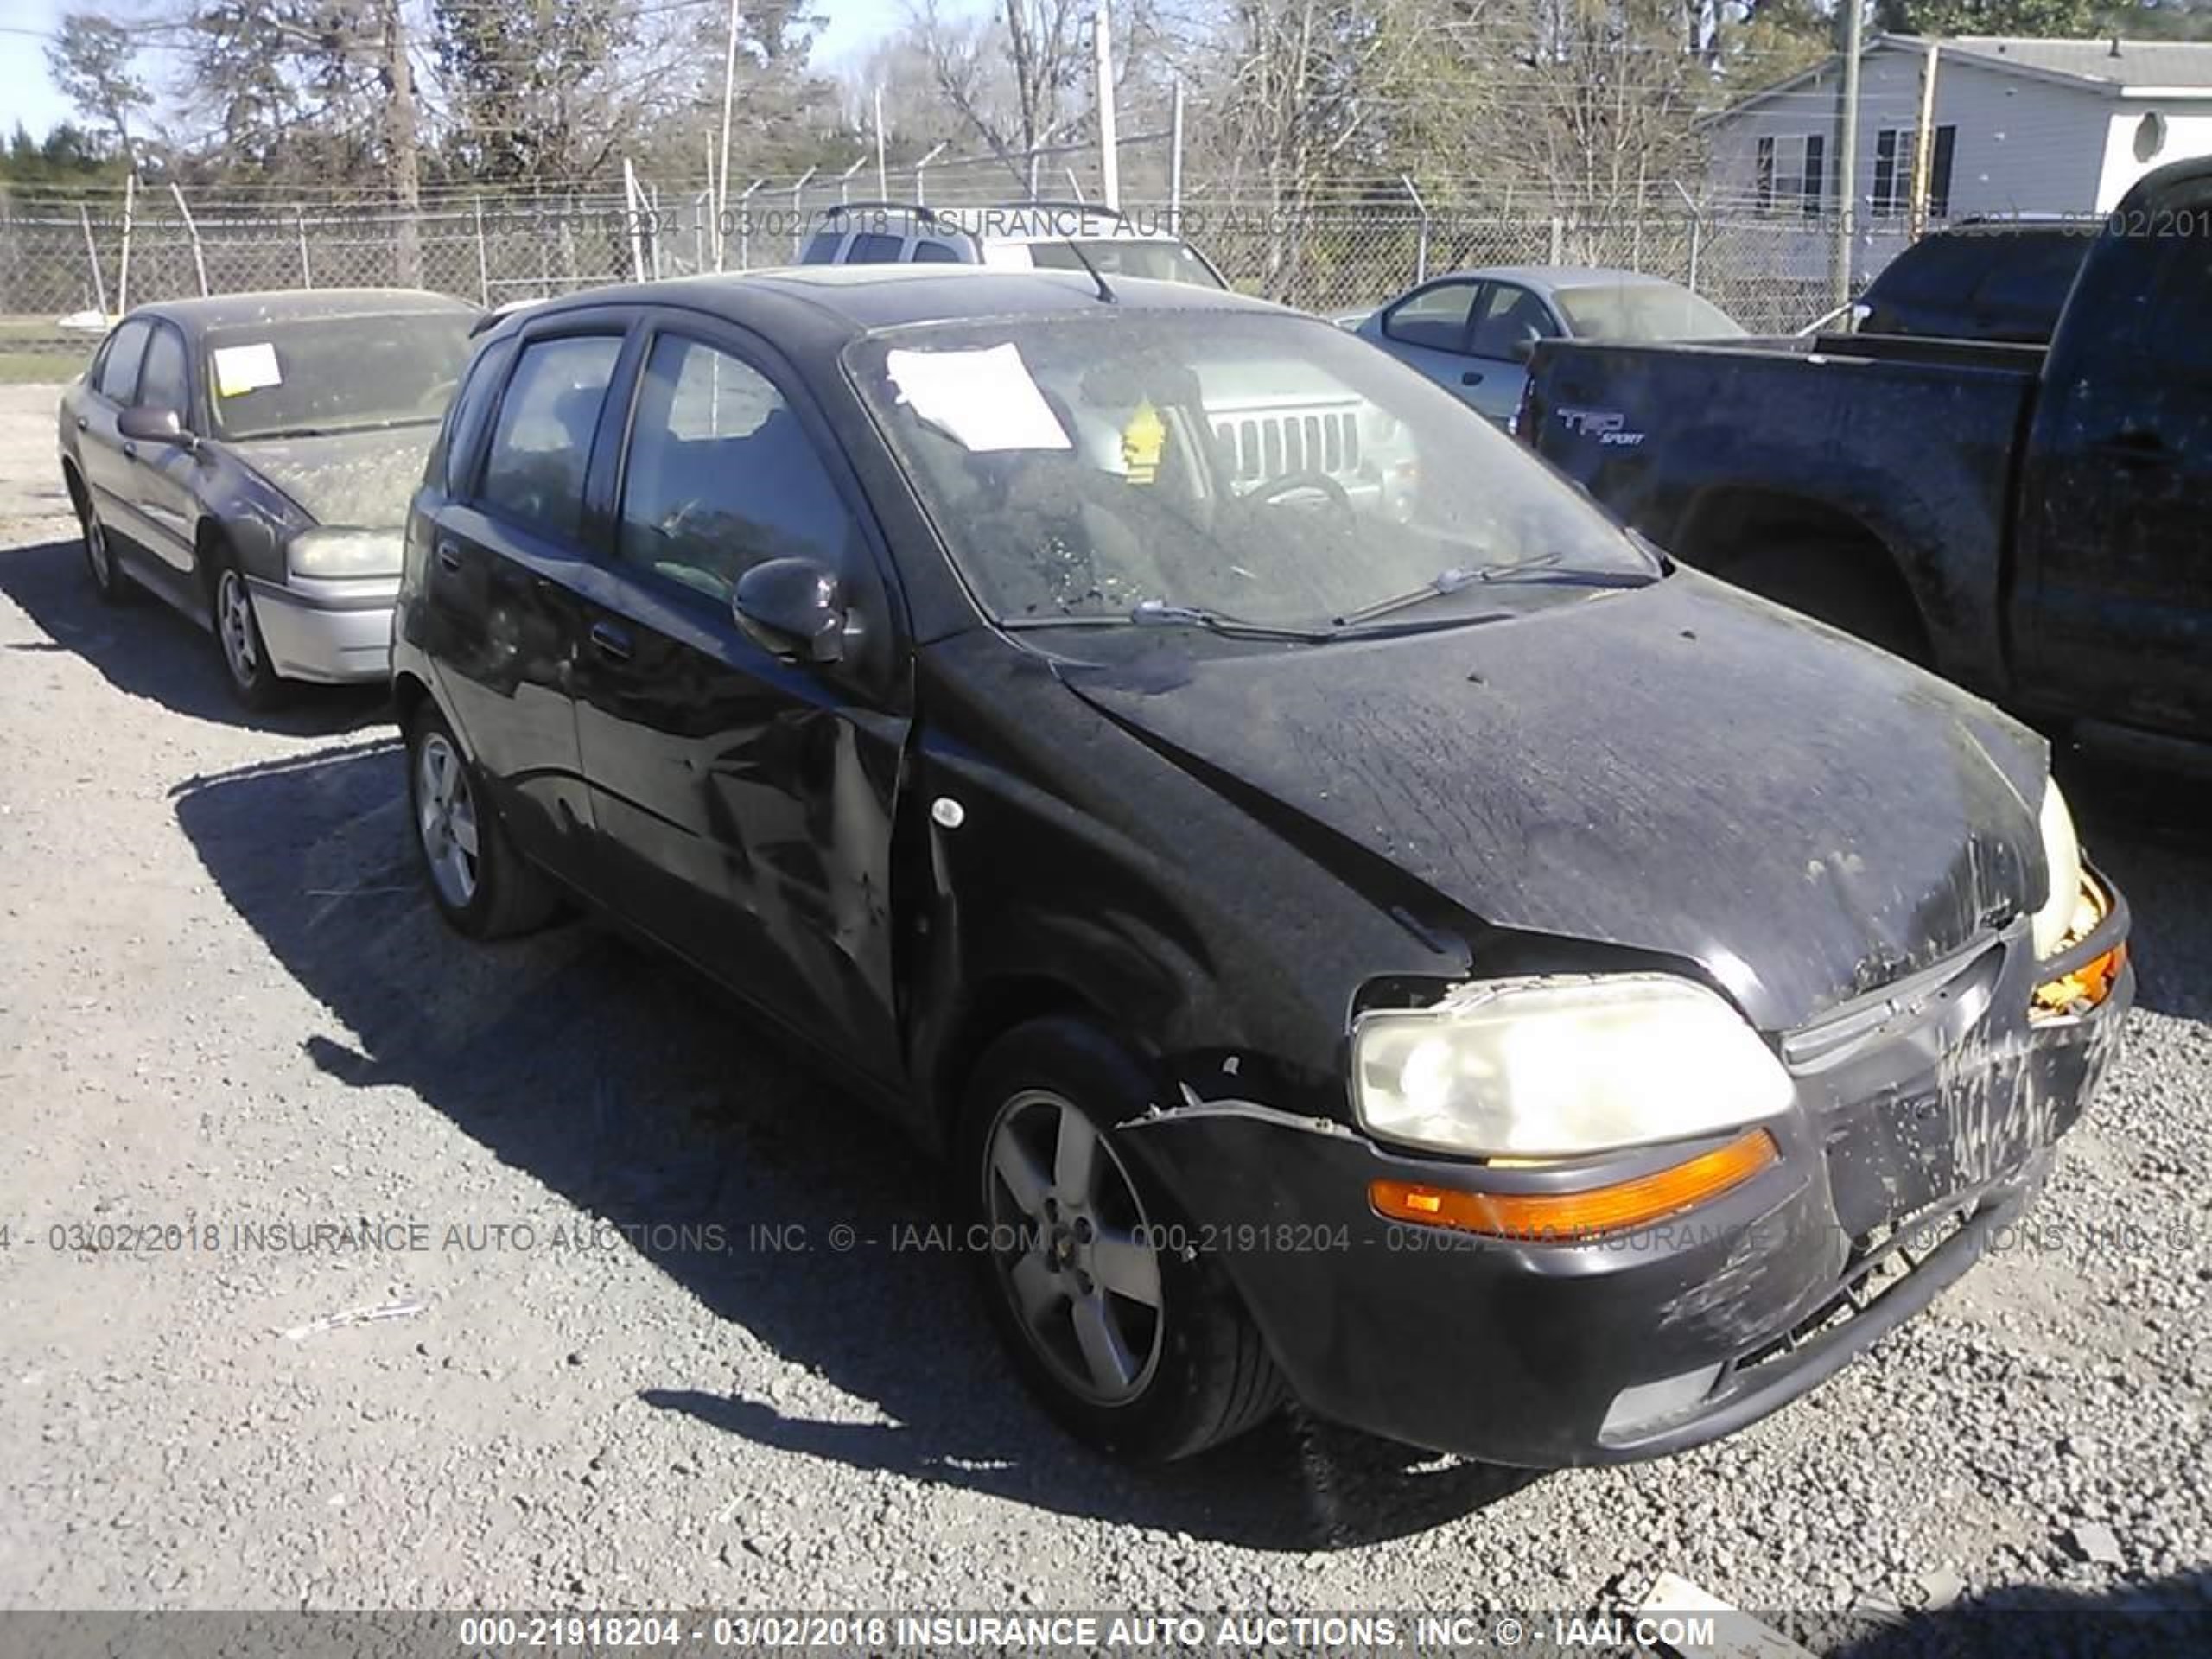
pixel 83 263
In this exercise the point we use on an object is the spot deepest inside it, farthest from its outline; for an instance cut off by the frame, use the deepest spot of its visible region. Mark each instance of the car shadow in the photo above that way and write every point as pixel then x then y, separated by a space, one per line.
pixel 145 649
pixel 2152 1619
pixel 2145 828
pixel 636 1092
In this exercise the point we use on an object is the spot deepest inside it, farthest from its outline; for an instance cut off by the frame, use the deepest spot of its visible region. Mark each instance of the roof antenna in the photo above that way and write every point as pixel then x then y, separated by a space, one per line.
pixel 1104 293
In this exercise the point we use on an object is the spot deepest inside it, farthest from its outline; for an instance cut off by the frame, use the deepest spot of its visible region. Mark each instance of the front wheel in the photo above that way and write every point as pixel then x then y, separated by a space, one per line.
pixel 481 886
pixel 108 580
pixel 253 678
pixel 1142 1351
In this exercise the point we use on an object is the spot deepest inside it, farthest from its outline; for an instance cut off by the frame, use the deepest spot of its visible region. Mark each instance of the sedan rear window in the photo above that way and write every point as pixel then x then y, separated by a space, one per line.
pixel 1629 311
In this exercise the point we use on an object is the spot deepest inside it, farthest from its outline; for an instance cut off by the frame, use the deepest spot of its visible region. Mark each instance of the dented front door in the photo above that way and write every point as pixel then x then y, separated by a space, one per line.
pixel 741 804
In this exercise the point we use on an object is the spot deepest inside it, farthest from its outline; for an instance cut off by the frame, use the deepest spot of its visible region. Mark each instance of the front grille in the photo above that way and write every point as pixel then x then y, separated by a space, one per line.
pixel 1257 446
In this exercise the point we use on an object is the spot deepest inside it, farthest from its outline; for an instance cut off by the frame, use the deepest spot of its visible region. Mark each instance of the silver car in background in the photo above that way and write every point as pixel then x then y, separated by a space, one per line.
pixel 1471 332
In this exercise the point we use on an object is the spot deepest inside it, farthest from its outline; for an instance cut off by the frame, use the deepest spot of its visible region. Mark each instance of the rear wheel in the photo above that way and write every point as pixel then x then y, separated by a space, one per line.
pixel 1137 1348
pixel 480 885
pixel 1845 585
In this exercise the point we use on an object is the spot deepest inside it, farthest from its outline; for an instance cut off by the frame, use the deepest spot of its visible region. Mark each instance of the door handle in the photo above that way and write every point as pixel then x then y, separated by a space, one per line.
pixel 610 642
pixel 130 452
pixel 82 423
pixel 2136 446
pixel 449 556
pixel 1470 377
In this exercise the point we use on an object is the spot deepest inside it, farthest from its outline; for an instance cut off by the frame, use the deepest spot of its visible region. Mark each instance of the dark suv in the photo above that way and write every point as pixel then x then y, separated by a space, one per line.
pixel 1428 954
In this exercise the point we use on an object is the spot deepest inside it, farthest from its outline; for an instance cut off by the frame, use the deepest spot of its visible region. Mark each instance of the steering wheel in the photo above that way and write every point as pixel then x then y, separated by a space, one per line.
pixel 1275 488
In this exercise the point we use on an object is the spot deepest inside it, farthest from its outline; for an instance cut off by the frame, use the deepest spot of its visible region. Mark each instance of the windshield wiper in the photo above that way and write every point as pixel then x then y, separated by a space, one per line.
pixel 1159 614
pixel 1452 581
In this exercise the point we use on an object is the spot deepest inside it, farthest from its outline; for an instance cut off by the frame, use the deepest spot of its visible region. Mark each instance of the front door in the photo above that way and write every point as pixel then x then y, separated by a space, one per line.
pixel 1428 329
pixel 163 474
pixel 2116 524
pixel 744 805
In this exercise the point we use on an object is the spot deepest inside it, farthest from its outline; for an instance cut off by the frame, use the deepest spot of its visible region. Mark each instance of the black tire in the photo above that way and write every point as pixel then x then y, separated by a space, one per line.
pixel 503 894
pixel 1847 586
pixel 109 581
pixel 239 647
pixel 1205 1375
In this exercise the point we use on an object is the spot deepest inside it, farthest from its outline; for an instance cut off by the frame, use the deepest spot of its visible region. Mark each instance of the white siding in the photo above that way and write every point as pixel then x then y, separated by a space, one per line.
pixel 2022 144
pixel 2189 133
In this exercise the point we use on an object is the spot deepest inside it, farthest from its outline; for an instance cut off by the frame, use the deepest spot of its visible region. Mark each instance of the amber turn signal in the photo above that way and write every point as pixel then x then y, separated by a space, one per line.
pixel 1566 1217
pixel 2090 984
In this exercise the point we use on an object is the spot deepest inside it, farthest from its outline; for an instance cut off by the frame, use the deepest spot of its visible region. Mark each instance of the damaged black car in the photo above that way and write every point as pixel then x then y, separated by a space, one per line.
pixel 1354 924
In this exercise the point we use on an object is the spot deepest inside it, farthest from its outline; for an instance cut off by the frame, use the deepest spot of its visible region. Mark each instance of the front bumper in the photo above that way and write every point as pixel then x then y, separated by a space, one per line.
pixel 330 630
pixel 1924 1123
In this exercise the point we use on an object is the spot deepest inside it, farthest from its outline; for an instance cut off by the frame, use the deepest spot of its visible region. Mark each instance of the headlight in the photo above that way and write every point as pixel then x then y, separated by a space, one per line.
pixel 2062 856
pixel 344 553
pixel 1558 1067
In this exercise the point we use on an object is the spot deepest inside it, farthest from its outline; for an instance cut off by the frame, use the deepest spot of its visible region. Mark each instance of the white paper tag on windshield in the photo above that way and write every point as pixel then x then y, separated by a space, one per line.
pixel 246 368
pixel 985 400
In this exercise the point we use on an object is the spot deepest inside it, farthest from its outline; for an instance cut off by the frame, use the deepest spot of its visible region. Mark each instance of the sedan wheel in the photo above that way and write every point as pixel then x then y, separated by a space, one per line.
pixel 1074 1248
pixel 253 679
pixel 445 818
pixel 99 558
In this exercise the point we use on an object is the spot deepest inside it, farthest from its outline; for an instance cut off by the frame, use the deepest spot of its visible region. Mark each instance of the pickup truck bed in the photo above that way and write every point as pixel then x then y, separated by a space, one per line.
pixel 2035 523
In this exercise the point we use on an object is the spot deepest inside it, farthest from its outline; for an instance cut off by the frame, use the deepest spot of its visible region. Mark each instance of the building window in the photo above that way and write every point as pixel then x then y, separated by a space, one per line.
pixel 1893 163
pixel 1815 182
pixel 1763 175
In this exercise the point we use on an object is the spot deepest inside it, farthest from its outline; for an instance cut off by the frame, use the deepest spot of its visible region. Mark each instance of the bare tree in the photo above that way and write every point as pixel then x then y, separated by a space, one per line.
pixel 93 62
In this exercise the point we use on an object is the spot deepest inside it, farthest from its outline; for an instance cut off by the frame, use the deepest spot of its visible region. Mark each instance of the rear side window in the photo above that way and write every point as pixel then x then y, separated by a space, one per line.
pixel 465 425
pixel 937 253
pixel 162 384
pixel 721 475
pixel 541 447
pixel 870 249
pixel 119 368
pixel 1436 318
pixel 821 248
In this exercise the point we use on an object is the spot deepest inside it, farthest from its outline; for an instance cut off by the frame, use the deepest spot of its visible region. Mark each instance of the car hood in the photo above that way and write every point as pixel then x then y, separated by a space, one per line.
pixel 362 479
pixel 1682 769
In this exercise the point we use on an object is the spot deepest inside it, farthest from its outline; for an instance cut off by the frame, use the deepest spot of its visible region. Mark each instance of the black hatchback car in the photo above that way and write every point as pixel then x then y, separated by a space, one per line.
pixel 1419 949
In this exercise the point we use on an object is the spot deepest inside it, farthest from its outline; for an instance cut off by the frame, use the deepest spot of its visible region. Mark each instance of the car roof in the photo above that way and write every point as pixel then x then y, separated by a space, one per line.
pixel 1559 276
pixel 299 305
pixel 860 299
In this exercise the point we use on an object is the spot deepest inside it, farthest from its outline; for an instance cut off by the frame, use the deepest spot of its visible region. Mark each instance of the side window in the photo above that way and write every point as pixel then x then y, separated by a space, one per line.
pixel 464 422
pixel 720 474
pixel 870 248
pixel 928 252
pixel 1435 317
pixel 119 368
pixel 163 385
pixel 1509 316
pixel 541 447
pixel 821 248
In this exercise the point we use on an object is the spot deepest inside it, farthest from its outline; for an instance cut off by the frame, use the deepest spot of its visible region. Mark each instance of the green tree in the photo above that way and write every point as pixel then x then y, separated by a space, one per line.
pixel 93 62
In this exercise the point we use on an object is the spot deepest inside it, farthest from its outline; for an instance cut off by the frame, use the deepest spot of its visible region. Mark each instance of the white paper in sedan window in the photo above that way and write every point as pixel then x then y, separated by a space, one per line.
pixel 241 369
pixel 984 400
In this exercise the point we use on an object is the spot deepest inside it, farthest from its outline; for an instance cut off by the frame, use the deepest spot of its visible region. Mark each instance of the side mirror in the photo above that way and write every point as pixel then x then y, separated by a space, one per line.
pixel 793 608
pixel 142 424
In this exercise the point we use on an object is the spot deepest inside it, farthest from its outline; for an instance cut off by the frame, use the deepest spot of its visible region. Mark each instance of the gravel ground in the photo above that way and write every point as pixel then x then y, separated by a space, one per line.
pixel 223 998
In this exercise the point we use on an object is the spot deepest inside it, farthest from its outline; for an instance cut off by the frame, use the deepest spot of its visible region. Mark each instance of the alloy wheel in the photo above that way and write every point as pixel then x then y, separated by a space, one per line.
pixel 1072 1247
pixel 97 559
pixel 234 620
pixel 445 818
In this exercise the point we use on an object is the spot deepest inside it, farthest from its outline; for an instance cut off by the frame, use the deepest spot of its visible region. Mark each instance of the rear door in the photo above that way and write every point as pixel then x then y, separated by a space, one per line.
pixel 507 550
pixel 108 475
pixel 744 805
pixel 2114 537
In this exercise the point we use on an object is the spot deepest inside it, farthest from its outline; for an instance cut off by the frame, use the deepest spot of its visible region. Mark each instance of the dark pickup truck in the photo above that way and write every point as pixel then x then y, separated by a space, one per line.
pixel 2034 523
